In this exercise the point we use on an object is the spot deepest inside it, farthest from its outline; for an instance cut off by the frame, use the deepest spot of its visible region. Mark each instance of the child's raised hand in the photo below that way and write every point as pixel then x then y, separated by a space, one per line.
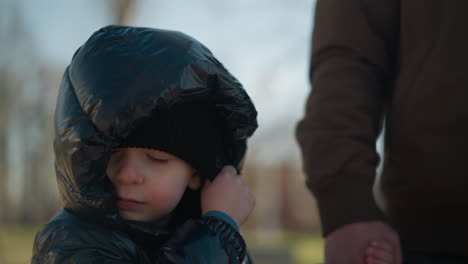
pixel 228 194
pixel 379 252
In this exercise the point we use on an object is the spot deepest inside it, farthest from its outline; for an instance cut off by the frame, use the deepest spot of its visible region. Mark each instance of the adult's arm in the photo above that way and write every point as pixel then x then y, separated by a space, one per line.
pixel 352 71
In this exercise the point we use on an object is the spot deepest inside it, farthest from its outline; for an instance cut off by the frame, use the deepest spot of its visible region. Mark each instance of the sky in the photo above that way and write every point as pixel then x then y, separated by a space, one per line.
pixel 264 43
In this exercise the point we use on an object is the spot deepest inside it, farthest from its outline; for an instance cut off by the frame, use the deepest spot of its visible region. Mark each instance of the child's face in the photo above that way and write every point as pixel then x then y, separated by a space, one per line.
pixel 149 183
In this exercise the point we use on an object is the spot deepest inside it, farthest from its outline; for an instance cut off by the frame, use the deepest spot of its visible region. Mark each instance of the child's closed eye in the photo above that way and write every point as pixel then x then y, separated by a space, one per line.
pixel 157 159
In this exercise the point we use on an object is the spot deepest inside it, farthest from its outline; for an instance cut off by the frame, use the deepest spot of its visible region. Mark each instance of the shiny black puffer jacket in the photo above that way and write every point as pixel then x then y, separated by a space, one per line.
pixel 96 110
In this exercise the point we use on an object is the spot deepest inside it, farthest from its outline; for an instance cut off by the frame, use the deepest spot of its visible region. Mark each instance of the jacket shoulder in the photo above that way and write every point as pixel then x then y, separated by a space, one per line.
pixel 67 238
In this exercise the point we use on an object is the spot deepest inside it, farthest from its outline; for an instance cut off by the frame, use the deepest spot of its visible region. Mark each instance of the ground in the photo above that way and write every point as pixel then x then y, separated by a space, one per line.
pixel 291 247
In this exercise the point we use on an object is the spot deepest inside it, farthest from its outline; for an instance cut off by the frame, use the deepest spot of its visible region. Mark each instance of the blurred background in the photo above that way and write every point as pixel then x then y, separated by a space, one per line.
pixel 264 43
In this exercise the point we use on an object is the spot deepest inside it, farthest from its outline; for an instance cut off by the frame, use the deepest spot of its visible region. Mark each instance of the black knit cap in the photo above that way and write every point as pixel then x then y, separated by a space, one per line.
pixel 188 131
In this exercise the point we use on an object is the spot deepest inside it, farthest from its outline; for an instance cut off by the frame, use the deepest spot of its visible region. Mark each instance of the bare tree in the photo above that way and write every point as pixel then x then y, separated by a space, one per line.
pixel 122 10
pixel 25 126
pixel 5 96
pixel 26 120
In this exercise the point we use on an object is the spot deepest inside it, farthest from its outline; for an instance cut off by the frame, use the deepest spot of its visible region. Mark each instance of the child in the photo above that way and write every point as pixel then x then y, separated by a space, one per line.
pixel 147 124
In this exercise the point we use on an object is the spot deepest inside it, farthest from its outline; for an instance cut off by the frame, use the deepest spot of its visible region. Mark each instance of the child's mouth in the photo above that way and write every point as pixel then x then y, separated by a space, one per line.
pixel 123 202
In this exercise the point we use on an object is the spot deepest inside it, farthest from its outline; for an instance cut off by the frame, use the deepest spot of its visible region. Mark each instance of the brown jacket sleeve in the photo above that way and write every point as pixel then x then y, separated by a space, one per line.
pixel 352 70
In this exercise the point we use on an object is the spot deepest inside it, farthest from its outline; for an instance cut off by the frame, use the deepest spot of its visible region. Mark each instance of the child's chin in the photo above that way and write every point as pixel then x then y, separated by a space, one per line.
pixel 137 217
pixel 132 217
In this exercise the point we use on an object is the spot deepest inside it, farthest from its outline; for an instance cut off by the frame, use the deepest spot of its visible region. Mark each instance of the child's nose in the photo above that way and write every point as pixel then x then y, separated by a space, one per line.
pixel 128 174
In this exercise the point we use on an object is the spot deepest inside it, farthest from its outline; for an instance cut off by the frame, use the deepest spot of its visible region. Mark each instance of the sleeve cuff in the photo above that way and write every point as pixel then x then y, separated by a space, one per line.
pixel 348 202
pixel 223 216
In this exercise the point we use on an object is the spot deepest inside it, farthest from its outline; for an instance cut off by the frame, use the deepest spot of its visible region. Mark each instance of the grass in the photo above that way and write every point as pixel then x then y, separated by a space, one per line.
pixel 285 247
pixel 266 247
pixel 16 243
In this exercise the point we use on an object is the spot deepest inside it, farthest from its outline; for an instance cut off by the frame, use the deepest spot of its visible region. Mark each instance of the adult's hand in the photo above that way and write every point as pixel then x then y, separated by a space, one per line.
pixel 228 194
pixel 347 244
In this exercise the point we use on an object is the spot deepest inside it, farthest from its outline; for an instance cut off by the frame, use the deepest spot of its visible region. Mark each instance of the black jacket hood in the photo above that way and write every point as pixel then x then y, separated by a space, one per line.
pixel 114 82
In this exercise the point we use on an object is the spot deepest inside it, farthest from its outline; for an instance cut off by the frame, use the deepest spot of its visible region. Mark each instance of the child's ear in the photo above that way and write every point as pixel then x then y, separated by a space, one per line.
pixel 194 182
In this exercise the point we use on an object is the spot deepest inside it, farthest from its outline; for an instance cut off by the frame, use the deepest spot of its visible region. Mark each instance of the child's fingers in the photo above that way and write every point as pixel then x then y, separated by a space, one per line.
pixel 382 245
pixel 225 173
pixel 229 169
pixel 380 254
